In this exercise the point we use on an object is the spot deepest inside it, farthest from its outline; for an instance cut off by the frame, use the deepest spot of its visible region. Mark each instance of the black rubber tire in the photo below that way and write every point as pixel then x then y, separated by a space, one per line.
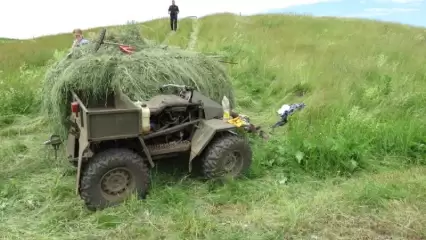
pixel 100 40
pixel 212 160
pixel 73 162
pixel 103 162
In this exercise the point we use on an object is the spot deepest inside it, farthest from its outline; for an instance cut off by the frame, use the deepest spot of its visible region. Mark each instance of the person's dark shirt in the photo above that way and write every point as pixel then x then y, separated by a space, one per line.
pixel 174 9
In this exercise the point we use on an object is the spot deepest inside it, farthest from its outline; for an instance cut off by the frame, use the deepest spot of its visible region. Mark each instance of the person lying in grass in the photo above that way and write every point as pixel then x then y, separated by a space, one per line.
pixel 79 39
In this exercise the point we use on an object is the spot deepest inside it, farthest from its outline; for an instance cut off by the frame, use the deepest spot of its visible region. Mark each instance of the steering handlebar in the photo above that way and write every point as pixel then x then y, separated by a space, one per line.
pixel 184 91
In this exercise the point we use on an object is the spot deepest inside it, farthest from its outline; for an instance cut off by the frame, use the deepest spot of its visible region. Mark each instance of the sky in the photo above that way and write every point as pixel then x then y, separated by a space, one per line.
pixel 34 18
pixel 412 12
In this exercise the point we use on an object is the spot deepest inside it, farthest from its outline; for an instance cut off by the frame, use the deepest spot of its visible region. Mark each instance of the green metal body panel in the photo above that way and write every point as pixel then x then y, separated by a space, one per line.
pixel 119 118
pixel 205 132
pixel 211 108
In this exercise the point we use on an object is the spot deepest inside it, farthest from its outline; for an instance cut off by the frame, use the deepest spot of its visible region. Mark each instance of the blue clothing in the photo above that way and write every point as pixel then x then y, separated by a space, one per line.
pixel 285 111
pixel 81 42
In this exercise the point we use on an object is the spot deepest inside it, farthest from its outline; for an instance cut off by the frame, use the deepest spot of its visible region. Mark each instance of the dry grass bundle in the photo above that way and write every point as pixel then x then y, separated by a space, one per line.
pixel 139 75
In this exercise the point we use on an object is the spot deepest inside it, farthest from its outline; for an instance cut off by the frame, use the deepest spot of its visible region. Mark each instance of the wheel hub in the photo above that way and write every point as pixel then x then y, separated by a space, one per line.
pixel 232 163
pixel 116 181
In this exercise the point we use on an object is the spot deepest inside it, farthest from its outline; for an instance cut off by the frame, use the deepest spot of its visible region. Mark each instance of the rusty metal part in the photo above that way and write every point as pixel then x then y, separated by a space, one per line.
pixel 116 182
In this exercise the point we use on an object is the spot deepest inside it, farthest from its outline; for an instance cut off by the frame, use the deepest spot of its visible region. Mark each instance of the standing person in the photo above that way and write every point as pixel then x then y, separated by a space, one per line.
pixel 79 39
pixel 173 11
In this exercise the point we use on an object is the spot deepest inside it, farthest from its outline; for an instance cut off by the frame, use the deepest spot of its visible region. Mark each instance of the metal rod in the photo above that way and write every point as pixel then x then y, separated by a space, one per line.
pixel 170 130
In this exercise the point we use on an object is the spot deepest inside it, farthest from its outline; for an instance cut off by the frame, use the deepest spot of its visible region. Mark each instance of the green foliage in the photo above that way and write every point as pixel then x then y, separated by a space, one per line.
pixel 363 85
pixel 362 105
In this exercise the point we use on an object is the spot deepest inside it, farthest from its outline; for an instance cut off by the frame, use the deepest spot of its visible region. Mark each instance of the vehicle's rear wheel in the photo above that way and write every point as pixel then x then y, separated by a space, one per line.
pixel 111 176
pixel 227 156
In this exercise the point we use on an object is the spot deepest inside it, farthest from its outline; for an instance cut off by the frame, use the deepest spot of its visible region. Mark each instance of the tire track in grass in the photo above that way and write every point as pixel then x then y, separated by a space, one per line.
pixel 166 39
pixel 194 34
pixel 173 38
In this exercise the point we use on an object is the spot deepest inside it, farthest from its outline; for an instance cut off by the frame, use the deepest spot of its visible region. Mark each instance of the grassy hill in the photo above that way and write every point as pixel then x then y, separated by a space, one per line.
pixel 348 166
pixel 6 40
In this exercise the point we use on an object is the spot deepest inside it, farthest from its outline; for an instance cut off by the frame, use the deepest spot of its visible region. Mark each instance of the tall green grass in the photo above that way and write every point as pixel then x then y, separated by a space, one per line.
pixel 363 91
pixel 364 86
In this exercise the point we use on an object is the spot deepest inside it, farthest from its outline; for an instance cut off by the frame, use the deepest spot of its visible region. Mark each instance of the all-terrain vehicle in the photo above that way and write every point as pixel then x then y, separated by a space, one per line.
pixel 113 144
pixel 114 141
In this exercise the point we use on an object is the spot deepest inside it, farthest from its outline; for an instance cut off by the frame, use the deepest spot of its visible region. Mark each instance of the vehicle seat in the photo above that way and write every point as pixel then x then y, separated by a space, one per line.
pixel 160 102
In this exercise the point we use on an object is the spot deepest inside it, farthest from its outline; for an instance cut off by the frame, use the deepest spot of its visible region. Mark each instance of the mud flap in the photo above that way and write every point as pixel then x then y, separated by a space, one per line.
pixel 71 146
pixel 205 132
pixel 83 145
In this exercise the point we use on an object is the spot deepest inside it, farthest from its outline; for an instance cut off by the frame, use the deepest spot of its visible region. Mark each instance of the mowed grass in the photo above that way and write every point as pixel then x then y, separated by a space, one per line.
pixel 180 38
pixel 348 166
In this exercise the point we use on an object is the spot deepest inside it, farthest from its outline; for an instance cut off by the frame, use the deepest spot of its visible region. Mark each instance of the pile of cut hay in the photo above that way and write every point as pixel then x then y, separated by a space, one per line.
pixel 139 75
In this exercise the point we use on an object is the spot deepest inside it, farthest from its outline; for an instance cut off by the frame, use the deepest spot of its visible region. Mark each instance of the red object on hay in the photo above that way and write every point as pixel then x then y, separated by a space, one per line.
pixel 127 49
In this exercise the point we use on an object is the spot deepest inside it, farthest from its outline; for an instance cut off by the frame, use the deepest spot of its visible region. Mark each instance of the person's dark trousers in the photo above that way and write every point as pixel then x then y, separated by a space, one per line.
pixel 173 23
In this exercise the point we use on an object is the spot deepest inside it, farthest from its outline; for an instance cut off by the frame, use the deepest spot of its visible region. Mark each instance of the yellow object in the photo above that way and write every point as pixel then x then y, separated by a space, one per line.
pixel 226 108
pixel 226 115
pixel 145 117
pixel 236 122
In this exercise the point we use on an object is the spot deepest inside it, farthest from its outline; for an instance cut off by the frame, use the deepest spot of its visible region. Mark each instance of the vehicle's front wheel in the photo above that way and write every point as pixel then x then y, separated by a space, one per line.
pixel 227 155
pixel 111 176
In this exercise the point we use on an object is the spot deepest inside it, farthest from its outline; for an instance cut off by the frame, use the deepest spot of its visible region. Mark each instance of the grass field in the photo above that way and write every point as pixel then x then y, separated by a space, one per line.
pixel 6 40
pixel 348 166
